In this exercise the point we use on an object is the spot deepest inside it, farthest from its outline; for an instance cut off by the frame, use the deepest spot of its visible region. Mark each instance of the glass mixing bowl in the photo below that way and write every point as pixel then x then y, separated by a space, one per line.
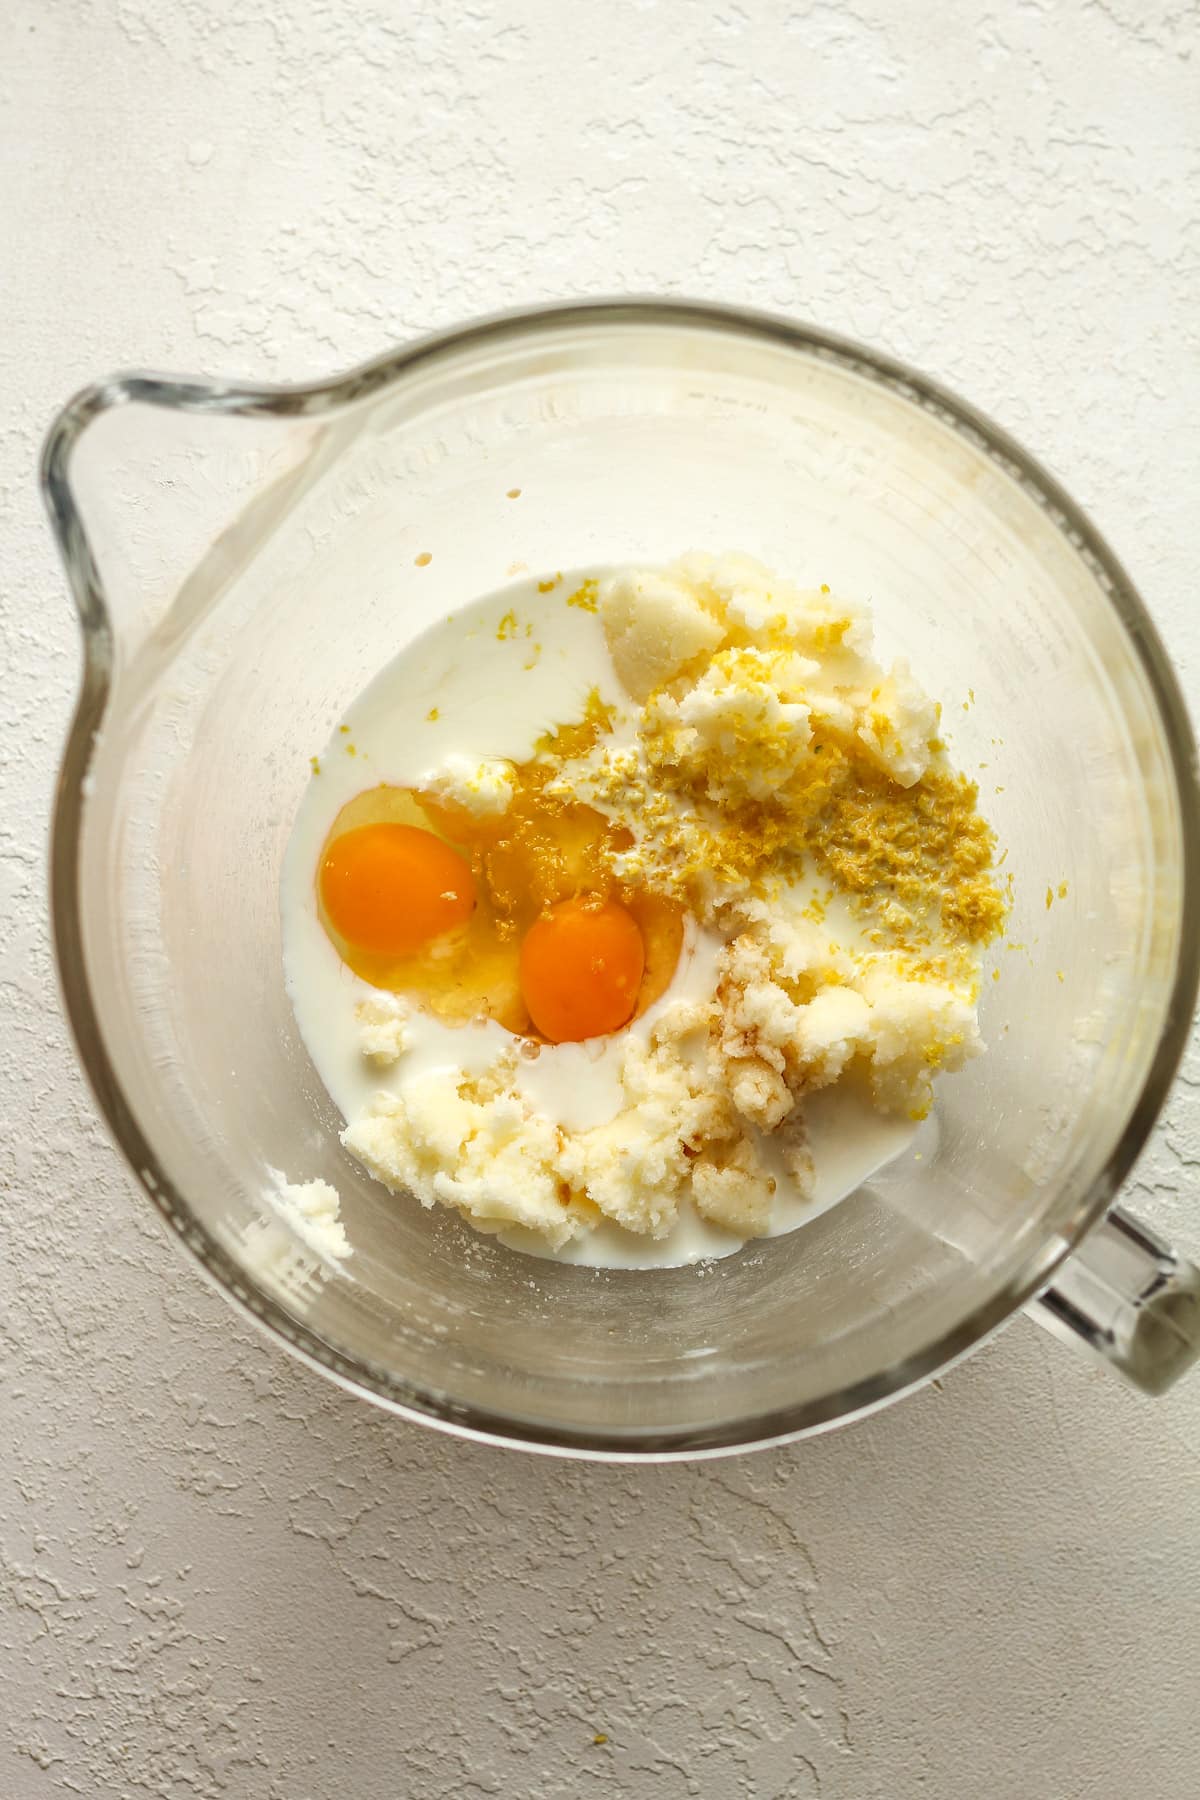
pixel 245 559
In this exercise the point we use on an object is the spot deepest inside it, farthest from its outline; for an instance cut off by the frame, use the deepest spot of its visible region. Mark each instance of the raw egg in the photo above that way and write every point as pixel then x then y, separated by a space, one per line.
pixel 425 899
pixel 392 889
pixel 581 969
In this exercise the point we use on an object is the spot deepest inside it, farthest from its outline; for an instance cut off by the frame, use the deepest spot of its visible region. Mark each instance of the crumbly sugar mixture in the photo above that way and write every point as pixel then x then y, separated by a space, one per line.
pixel 771 781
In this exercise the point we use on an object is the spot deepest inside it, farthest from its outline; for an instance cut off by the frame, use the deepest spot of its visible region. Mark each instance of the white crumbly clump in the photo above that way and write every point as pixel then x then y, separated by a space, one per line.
pixel 783 661
pixel 755 605
pixel 900 720
pixel 473 1143
pixel 654 625
pixel 774 1042
pixel 384 1033
pixel 635 1167
pixel 491 1157
pixel 743 697
pixel 798 943
pixel 384 1028
pixel 481 787
pixel 736 1194
pixel 917 1029
pixel 313 1211
pixel 736 680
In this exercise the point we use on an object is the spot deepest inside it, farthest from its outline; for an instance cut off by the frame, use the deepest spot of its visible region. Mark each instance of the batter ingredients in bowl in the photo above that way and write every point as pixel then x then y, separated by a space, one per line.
pixel 633 913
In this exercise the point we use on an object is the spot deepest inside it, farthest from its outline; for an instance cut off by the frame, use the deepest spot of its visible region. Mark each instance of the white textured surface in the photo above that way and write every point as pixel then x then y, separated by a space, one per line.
pixel 219 1576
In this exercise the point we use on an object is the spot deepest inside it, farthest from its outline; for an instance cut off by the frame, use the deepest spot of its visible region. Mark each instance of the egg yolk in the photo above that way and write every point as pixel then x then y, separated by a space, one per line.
pixel 391 889
pixel 581 968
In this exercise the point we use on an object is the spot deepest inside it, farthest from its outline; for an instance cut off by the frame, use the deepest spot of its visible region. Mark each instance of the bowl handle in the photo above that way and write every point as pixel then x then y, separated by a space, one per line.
pixel 145 477
pixel 1131 1299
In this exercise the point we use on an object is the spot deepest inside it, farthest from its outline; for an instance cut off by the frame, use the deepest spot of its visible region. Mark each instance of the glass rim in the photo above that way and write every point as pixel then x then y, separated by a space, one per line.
pixel 322 398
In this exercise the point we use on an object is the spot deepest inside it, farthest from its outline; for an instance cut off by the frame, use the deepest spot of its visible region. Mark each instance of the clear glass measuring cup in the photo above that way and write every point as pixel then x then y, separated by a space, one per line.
pixel 245 559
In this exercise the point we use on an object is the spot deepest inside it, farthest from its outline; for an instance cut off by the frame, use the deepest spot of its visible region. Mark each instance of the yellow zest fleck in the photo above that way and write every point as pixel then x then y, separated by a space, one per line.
pixel 569 741
pixel 586 596
pixel 351 750
pixel 513 494
pixel 823 638
pixel 1049 898
pixel 432 715
pixel 423 561
pixel 548 587
pixel 314 764
pixel 1060 974
pixel 600 1737
pixel 345 730
pixel 995 974
pixel 1062 890
pixel 508 627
